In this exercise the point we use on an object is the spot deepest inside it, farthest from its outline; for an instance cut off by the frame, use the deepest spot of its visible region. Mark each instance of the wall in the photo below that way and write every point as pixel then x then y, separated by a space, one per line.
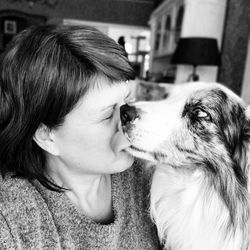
pixel 234 48
pixel 12 22
pixel 129 12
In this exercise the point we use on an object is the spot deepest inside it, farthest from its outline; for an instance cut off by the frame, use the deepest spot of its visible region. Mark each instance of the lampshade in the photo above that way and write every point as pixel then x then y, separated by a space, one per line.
pixel 197 51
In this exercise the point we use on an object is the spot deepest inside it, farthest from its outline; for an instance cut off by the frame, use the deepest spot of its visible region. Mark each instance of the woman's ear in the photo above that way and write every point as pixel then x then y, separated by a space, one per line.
pixel 45 139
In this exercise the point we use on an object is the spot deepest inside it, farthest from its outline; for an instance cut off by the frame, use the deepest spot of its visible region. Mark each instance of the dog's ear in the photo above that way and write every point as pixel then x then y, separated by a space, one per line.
pixel 246 131
pixel 245 155
pixel 241 153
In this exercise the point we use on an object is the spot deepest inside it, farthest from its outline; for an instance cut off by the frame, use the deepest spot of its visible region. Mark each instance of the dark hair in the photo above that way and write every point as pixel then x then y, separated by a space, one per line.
pixel 43 74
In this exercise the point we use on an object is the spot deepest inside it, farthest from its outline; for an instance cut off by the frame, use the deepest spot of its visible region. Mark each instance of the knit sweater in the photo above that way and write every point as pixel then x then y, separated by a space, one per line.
pixel 33 217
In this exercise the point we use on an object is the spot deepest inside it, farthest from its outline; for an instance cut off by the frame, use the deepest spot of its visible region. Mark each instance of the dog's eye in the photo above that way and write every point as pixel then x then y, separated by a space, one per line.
pixel 200 113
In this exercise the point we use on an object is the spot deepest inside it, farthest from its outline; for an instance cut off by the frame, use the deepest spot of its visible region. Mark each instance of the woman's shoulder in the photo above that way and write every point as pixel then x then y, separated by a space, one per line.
pixel 14 188
pixel 18 197
pixel 25 220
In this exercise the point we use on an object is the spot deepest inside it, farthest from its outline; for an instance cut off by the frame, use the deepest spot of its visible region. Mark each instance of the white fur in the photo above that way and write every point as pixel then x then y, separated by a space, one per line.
pixel 189 215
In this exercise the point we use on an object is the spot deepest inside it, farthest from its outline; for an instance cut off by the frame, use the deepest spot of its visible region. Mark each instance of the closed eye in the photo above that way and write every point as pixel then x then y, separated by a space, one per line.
pixel 110 114
pixel 109 117
pixel 128 99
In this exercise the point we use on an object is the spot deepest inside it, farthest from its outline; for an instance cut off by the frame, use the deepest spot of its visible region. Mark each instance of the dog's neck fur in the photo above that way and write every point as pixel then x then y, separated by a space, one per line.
pixel 190 214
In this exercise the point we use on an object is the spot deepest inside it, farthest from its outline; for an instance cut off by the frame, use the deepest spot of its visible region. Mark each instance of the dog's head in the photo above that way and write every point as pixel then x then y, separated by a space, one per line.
pixel 199 128
pixel 205 124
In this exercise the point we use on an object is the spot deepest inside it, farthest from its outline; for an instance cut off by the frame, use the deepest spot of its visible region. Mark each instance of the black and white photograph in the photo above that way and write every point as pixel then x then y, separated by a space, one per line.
pixel 125 124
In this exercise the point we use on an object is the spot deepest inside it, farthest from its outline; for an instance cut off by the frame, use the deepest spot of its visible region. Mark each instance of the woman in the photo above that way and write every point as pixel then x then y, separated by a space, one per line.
pixel 67 182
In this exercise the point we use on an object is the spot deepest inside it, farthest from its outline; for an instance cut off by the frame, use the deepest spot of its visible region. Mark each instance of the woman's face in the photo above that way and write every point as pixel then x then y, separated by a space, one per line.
pixel 89 141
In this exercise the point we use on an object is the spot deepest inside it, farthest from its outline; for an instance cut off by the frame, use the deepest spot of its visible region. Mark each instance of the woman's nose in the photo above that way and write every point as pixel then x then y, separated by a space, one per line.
pixel 127 114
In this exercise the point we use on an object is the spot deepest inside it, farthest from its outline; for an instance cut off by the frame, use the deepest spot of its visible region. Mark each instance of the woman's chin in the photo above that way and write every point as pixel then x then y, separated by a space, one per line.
pixel 124 162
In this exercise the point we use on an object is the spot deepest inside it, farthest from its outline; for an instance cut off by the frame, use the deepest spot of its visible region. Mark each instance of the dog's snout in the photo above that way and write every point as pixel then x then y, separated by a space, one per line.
pixel 127 114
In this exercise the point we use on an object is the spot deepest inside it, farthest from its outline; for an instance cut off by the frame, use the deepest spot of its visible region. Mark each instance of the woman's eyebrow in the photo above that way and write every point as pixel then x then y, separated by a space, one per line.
pixel 109 107
pixel 113 105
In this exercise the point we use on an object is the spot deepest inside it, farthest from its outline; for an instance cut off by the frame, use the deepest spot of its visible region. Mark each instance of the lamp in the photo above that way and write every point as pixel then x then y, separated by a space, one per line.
pixel 196 51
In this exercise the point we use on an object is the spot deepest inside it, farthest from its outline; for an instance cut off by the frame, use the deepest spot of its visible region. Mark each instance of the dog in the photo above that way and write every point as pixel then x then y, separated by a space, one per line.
pixel 198 138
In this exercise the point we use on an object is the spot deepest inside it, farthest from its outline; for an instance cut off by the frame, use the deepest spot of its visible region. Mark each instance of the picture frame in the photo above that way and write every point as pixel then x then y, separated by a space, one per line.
pixel 10 27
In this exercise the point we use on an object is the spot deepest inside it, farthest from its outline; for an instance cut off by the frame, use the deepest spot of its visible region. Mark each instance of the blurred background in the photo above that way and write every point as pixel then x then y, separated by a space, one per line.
pixel 167 41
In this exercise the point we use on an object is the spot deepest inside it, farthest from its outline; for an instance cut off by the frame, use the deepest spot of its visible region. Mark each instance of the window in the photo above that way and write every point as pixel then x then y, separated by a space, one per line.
pixel 167 32
pixel 178 26
pixel 157 36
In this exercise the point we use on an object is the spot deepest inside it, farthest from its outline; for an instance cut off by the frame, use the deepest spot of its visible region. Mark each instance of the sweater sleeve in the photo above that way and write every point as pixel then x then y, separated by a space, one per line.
pixel 6 238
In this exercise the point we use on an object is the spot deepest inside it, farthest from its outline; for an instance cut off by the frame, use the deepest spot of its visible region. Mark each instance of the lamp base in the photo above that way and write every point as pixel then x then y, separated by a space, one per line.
pixel 193 78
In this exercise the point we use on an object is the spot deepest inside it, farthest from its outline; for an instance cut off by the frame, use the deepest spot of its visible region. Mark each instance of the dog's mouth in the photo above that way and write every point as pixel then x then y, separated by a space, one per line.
pixel 143 154
pixel 135 149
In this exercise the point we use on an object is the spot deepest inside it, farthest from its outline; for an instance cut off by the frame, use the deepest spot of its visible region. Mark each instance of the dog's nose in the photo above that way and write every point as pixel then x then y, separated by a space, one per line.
pixel 127 114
